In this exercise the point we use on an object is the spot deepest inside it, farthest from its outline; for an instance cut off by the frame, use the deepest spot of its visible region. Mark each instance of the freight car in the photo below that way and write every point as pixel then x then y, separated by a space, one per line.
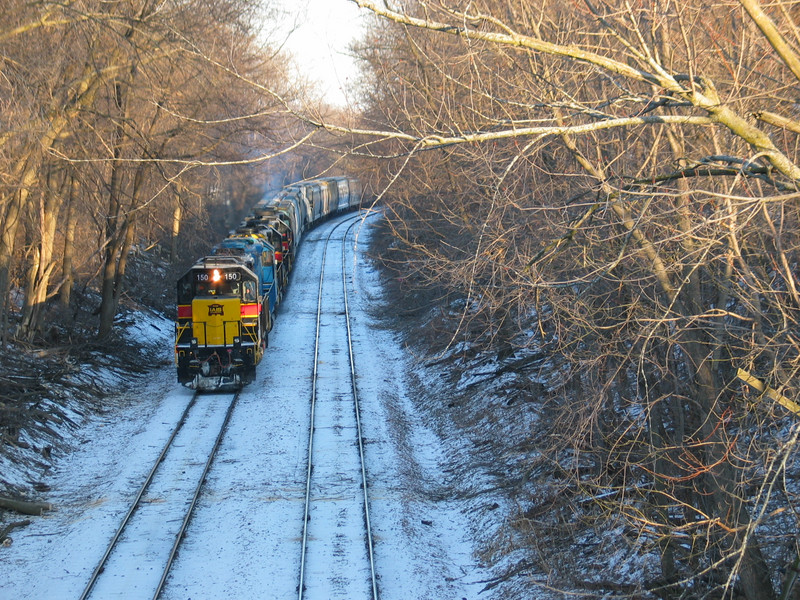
pixel 227 300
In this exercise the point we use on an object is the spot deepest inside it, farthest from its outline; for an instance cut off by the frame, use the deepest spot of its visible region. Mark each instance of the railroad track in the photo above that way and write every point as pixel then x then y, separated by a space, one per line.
pixel 152 529
pixel 337 546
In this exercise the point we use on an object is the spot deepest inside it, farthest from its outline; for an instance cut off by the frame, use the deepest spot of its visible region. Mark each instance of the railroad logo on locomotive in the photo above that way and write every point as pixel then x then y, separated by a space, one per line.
pixel 216 309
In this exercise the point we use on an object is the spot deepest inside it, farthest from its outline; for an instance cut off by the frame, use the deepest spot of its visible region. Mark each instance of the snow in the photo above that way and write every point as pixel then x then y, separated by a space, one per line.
pixel 243 541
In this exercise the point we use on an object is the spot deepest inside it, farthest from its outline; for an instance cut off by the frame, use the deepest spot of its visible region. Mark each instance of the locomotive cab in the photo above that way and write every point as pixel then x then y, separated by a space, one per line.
pixel 267 224
pixel 278 222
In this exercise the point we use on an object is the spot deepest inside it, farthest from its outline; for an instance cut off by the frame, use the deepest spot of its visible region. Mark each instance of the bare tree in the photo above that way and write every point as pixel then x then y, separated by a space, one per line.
pixel 144 103
pixel 627 176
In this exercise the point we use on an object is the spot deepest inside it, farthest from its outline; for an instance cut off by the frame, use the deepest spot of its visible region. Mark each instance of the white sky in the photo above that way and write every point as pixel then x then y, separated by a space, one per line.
pixel 325 30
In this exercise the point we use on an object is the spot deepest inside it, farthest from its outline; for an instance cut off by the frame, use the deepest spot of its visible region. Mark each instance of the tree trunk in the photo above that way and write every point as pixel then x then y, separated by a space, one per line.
pixel 722 482
pixel 28 167
pixel 42 268
pixel 11 219
pixel 176 229
pixel 24 507
pixel 69 246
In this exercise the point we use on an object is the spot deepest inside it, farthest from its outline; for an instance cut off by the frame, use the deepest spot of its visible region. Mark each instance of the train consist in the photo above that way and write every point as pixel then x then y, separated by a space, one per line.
pixel 227 300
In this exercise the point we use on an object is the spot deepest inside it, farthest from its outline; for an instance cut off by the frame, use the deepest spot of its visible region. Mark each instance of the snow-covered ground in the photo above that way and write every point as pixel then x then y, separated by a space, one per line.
pixel 243 541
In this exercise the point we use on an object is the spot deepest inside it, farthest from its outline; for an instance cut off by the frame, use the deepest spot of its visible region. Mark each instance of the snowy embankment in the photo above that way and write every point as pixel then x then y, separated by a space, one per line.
pixel 68 393
pixel 538 535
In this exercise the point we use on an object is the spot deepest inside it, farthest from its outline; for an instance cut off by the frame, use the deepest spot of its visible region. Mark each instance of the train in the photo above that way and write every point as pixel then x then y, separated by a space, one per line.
pixel 227 300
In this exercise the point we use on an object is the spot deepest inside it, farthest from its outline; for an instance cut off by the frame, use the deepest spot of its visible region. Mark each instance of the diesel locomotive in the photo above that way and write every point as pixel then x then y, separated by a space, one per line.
pixel 227 300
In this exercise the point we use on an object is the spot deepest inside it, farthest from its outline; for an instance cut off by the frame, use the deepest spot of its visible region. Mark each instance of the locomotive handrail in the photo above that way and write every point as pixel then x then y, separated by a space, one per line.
pixel 180 329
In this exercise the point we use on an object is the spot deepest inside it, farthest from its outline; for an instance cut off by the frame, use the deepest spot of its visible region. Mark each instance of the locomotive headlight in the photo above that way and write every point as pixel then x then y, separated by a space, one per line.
pixel 215 276
pixel 237 340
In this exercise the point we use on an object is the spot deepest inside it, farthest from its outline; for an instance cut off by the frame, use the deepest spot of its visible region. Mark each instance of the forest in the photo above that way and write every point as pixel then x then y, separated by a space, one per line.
pixel 612 183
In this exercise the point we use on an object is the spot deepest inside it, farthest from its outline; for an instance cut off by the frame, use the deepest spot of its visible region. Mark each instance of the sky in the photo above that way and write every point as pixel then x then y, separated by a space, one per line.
pixel 325 30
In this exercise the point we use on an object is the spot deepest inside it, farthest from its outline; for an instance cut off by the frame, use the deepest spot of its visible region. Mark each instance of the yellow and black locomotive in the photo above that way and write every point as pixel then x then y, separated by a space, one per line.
pixel 222 324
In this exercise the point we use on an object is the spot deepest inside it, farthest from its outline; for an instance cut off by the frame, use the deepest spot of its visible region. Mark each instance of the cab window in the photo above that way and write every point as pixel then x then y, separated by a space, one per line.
pixel 250 291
